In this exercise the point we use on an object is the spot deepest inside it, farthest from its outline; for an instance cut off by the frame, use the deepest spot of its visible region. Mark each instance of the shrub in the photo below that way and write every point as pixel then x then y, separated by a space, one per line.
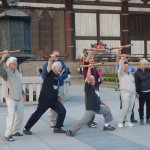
pixel 111 77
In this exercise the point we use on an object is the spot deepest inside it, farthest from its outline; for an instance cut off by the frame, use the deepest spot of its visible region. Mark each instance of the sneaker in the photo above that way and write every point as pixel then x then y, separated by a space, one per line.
pixel 59 130
pixel 52 124
pixel 27 132
pixel 148 121
pixel 9 138
pixel 108 128
pixel 95 123
pixel 129 124
pixel 92 125
pixel 17 134
pixel 142 121
pixel 134 121
pixel 120 125
pixel 69 133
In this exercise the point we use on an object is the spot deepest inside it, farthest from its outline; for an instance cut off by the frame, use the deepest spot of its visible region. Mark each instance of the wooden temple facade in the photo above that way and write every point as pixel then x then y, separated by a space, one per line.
pixel 72 25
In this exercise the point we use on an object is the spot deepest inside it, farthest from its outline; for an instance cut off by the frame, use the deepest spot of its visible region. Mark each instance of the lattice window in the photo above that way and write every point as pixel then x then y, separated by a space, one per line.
pixel 46 27
pixel 34 34
pixel 139 26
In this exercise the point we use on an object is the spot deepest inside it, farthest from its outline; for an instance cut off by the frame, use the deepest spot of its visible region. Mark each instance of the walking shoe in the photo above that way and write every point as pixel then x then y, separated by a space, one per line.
pixel 27 132
pixel 58 130
pixel 108 128
pixel 9 138
pixel 148 121
pixel 52 124
pixel 92 125
pixel 95 123
pixel 69 133
pixel 134 121
pixel 17 134
pixel 120 125
pixel 129 124
pixel 142 121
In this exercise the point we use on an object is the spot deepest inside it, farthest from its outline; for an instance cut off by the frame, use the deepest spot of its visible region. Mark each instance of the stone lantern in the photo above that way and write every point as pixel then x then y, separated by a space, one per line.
pixel 15 31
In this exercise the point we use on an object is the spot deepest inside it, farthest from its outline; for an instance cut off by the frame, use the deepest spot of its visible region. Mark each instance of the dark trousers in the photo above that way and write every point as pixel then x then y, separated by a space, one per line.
pixel 144 97
pixel 132 114
pixel 92 119
pixel 42 107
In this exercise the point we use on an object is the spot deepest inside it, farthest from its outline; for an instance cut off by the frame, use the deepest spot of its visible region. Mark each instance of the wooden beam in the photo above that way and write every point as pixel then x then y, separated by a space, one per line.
pixel 69 28
pixel 124 26
pixel 46 1
pixel 145 1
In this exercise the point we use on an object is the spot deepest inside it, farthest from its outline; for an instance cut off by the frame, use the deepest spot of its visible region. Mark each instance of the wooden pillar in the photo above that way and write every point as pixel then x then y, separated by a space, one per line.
pixel 98 26
pixel 125 26
pixel 69 29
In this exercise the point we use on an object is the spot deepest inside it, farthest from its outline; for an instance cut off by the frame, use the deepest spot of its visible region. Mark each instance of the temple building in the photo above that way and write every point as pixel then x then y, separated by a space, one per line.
pixel 72 25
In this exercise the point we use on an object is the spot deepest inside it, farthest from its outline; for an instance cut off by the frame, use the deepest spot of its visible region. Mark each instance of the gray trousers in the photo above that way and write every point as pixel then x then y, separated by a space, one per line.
pixel 14 119
pixel 88 115
pixel 128 100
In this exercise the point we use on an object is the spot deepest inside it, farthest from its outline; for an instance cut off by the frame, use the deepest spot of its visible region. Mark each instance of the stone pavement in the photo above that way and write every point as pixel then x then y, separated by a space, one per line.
pixel 43 138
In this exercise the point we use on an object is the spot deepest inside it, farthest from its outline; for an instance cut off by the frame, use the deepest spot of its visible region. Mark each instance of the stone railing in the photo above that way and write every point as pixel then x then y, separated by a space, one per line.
pixel 32 87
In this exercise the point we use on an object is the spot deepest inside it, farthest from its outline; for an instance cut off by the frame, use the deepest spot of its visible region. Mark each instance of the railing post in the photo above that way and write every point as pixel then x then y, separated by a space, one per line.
pixel 24 87
pixel 1 97
pixel 38 89
pixel 30 91
pixel 66 89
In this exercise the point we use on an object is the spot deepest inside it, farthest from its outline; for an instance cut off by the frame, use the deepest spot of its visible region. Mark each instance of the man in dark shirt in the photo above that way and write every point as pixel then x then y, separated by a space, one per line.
pixel 49 98
pixel 94 72
pixel 93 106
pixel 62 76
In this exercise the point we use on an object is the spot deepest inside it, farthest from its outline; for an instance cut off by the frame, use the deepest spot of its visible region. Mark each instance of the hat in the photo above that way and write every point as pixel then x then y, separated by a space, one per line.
pixel 132 69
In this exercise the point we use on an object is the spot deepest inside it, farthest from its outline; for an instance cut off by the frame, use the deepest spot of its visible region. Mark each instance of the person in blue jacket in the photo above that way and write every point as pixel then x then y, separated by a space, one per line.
pixel 63 75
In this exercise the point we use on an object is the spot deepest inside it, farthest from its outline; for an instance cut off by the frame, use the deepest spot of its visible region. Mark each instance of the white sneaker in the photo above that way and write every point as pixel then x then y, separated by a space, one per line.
pixel 52 124
pixel 129 124
pixel 120 125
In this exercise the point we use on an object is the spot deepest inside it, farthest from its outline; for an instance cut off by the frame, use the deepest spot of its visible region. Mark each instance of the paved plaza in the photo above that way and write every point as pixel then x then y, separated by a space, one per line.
pixel 43 138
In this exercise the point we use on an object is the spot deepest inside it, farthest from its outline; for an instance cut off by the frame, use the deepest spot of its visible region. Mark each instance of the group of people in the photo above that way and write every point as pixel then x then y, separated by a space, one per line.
pixel 51 96
pixel 134 84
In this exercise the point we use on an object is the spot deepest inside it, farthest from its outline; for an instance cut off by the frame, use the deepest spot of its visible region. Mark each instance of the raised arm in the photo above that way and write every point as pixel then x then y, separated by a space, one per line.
pixel 3 72
pixel 89 56
pixel 117 55
pixel 49 67
pixel 121 65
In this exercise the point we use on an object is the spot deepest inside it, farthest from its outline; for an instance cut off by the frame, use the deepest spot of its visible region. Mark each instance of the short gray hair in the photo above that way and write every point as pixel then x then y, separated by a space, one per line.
pixel 11 60
pixel 56 64
pixel 144 61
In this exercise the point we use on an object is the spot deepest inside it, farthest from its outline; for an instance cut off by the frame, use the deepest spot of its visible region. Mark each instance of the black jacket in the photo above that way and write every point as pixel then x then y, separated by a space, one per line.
pixel 142 80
